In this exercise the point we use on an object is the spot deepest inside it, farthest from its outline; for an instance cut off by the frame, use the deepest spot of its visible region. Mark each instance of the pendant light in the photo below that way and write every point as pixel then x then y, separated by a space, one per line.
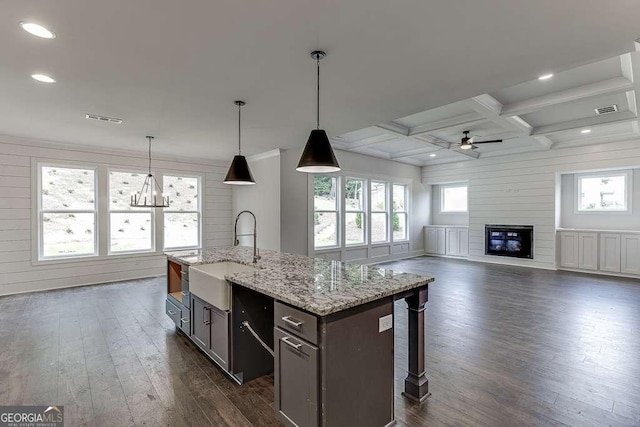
pixel 150 196
pixel 318 156
pixel 239 172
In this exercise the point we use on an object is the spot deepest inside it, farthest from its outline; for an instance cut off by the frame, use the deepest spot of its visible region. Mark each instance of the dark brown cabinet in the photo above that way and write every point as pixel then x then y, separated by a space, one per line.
pixel 296 380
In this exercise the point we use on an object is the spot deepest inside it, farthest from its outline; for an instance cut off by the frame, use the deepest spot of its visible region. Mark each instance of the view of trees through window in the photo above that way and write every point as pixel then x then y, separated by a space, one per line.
pixel 325 210
pixel 387 214
pixel 67 211
pixel 130 229
pixel 182 217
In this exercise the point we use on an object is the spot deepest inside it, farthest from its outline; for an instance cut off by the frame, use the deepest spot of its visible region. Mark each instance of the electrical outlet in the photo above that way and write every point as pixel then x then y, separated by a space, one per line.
pixel 385 323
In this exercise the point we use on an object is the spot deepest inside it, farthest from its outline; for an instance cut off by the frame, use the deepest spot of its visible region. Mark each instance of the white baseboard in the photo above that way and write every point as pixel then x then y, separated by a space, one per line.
pixel 599 273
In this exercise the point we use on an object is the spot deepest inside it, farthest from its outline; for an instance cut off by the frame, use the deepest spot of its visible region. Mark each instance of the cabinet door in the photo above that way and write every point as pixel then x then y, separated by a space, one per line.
pixel 219 348
pixel 463 242
pixel 431 241
pixel 588 251
pixel 610 252
pixel 200 327
pixel 630 254
pixel 295 380
pixel 452 241
pixel 569 249
pixel 441 239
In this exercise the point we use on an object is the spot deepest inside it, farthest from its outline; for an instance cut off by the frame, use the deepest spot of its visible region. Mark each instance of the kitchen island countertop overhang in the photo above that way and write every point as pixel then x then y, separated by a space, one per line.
pixel 318 286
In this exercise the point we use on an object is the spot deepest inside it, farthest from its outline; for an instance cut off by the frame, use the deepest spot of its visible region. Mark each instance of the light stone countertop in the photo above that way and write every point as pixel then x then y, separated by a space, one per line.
pixel 318 286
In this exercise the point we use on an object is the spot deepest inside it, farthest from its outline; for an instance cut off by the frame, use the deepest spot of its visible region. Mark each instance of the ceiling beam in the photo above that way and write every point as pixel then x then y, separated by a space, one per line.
pixel 469 119
pixel 372 140
pixel 395 128
pixel 630 64
pixel 610 86
pixel 606 119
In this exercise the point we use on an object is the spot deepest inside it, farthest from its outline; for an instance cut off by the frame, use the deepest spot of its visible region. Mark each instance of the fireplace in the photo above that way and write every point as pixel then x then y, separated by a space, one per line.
pixel 509 240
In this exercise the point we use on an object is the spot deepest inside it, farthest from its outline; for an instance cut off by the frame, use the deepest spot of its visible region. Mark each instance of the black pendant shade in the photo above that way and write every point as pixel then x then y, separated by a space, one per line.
pixel 239 172
pixel 318 156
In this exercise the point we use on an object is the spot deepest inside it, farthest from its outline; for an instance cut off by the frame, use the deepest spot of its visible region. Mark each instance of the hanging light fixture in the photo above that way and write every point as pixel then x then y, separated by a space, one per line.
pixel 150 196
pixel 239 172
pixel 318 156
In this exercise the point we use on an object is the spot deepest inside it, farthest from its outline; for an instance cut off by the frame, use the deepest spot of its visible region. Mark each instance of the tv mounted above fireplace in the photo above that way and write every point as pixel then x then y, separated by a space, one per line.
pixel 509 240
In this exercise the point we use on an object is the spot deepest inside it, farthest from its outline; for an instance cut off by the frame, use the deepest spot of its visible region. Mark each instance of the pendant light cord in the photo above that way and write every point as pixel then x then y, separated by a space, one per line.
pixel 149 138
pixel 318 94
pixel 239 139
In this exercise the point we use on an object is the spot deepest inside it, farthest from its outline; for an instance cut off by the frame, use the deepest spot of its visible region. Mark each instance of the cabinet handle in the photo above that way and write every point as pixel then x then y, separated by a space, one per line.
pixel 184 320
pixel 290 343
pixel 185 293
pixel 293 322
pixel 171 312
pixel 204 309
pixel 183 272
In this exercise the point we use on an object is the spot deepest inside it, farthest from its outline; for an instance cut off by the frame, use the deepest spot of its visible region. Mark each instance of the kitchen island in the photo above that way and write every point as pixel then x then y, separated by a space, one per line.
pixel 328 324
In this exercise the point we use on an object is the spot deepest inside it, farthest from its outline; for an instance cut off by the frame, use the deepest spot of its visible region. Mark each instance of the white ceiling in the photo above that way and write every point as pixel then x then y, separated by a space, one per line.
pixel 173 68
pixel 531 116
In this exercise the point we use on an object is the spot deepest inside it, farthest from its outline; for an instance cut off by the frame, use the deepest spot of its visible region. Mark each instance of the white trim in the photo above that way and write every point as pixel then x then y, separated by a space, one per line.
pixel 200 208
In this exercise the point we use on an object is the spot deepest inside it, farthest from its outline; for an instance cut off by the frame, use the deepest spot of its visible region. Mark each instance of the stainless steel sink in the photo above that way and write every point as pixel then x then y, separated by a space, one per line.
pixel 207 282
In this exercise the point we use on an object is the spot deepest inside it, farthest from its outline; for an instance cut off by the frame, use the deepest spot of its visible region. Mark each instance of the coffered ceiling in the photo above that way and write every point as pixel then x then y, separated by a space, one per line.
pixel 531 116
pixel 173 69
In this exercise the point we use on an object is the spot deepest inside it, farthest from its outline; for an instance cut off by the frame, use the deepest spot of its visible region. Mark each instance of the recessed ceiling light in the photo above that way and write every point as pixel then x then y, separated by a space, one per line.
pixel 545 76
pixel 432 155
pixel 43 78
pixel 38 30
pixel 585 131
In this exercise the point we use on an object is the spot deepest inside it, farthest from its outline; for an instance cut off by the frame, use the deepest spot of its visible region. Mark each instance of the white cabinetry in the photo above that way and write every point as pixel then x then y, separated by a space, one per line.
pixel 588 251
pixel 569 249
pixel 600 251
pixel 443 240
pixel 630 254
pixel 610 252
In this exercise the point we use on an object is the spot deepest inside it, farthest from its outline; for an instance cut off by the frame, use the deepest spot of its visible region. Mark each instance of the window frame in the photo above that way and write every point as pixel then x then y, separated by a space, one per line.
pixel 443 187
pixel 199 210
pixel 628 193
pixel 386 211
pixel 39 218
pixel 405 212
pixel 363 212
pixel 152 211
pixel 338 212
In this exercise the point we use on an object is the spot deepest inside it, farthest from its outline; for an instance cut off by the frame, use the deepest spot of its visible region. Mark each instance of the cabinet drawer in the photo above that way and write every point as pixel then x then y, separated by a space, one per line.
pixel 297 322
pixel 173 311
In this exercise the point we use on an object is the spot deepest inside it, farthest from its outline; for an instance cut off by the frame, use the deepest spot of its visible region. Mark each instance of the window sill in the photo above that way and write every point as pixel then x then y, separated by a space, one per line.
pixel 94 258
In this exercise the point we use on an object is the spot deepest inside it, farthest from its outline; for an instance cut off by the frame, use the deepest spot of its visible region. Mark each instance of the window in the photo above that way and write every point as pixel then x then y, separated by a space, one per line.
pixel 67 212
pixel 355 218
pixel 325 211
pixel 379 218
pixel 453 198
pixel 604 192
pixel 182 217
pixel 399 212
pixel 130 229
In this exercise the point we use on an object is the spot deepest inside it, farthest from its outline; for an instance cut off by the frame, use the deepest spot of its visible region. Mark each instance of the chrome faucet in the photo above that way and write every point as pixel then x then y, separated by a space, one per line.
pixel 236 242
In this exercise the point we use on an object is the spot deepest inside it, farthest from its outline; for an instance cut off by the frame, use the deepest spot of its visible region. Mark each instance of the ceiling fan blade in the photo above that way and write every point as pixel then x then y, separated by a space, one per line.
pixel 488 142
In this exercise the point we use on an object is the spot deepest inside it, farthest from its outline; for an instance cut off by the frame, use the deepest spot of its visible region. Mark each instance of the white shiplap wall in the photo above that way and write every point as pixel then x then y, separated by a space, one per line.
pixel 19 274
pixel 520 189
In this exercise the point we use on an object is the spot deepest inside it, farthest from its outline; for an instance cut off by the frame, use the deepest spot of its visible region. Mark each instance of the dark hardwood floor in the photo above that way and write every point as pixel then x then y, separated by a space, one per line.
pixel 506 346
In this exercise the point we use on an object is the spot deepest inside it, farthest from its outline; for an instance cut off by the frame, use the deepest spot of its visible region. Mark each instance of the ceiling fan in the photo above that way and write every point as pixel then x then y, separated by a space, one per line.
pixel 467 143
